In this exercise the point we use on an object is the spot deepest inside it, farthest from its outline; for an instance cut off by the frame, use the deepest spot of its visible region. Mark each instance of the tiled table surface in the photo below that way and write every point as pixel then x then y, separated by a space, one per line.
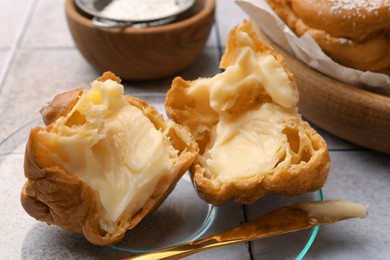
pixel 38 59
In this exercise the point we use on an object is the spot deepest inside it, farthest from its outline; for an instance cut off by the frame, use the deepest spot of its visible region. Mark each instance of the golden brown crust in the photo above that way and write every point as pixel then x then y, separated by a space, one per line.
pixel 47 188
pixel 257 95
pixel 109 75
pixel 356 20
pixel 55 196
pixel 306 172
pixel 60 105
pixel 64 102
pixel 180 109
pixel 354 34
pixel 260 47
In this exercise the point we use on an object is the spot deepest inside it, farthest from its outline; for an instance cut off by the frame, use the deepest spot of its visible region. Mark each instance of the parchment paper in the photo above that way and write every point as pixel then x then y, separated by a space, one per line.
pixel 306 49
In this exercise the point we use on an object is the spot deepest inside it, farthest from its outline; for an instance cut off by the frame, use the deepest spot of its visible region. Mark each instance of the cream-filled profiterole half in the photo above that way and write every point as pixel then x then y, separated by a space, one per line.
pixel 252 139
pixel 354 33
pixel 103 162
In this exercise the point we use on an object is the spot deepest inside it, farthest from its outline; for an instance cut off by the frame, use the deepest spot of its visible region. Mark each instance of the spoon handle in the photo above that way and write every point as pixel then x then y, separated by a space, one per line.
pixel 284 220
pixel 183 250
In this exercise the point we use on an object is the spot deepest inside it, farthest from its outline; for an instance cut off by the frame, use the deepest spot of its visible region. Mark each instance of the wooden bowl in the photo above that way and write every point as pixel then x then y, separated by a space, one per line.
pixel 351 113
pixel 143 53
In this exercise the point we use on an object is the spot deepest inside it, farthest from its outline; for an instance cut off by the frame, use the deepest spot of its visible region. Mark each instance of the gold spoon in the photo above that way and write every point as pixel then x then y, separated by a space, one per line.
pixel 288 219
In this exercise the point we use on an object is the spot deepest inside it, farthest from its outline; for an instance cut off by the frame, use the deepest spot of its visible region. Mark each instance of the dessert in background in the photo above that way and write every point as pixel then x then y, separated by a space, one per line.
pixel 355 34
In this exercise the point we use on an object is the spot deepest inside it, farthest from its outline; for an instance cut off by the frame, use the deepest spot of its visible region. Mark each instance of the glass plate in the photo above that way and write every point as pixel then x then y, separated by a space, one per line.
pixel 183 216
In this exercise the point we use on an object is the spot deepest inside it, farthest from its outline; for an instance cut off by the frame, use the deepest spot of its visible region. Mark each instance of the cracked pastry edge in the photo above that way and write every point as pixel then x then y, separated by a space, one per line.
pixel 41 192
pixel 300 178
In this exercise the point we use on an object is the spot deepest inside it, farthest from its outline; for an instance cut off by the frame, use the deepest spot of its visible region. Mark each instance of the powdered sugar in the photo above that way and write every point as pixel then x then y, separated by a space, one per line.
pixel 345 41
pixel 357 5
pixel 352 9
pixel 136 10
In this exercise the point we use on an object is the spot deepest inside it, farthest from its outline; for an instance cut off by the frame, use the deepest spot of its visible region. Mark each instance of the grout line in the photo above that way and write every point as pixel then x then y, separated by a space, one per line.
pixel 218 36
pixel 48 48
pixel 357 149
pixel 11 56
pixel 2 142
pixel 249 243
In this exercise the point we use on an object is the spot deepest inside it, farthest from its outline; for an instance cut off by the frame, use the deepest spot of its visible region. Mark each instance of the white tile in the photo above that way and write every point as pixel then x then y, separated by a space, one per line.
pixel 48 26
pixel 35 78
pixel 362 177
pixel 229 216
pixel 3 58
pixel 270 248
pixel 206 65
pixel 13 14
pixel 334 142
pixel 357 176
pixel 212 41
pixel 229 14
pixel 27 238
pixel 49 64
pixel 12 179
pixel 34 239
